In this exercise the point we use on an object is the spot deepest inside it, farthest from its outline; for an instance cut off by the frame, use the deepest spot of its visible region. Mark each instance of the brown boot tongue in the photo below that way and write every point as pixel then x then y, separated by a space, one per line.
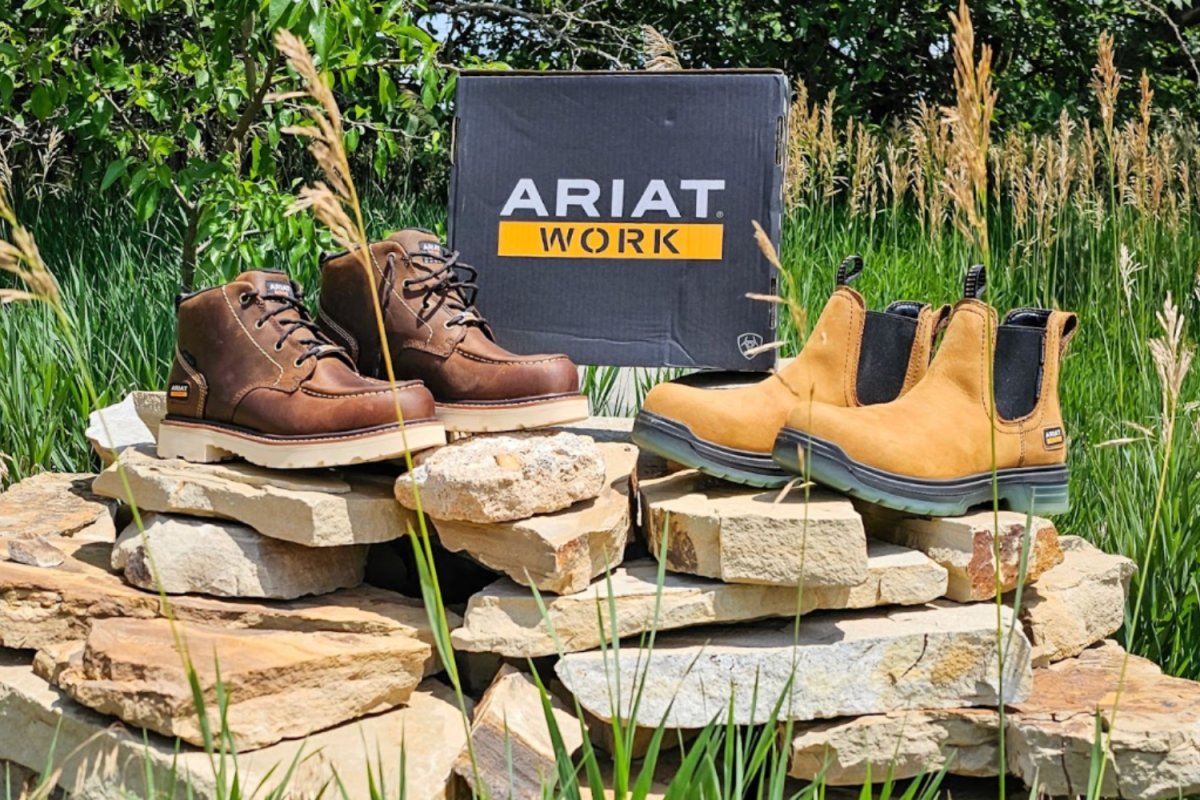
pixel 423 247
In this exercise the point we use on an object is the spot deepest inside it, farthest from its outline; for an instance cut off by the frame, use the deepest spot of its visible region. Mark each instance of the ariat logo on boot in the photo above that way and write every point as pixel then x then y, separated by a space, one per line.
pixel 432 248
pixel 279 288
pixel 619 230
pixel 1053 438
pixel 179 391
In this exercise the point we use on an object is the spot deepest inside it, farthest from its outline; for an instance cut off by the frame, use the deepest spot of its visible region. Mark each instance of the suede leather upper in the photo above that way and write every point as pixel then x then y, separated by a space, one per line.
pixel 234 365
pixel 941 429
pixel 431 335
pixel 748 418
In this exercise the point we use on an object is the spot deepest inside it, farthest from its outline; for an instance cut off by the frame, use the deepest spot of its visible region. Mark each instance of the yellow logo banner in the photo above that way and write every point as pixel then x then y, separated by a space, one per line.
pixel 616 240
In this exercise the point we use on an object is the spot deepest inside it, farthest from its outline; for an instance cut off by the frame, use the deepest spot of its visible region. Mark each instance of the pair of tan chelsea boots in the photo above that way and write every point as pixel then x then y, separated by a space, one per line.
pixel 874 408
pixel 255 377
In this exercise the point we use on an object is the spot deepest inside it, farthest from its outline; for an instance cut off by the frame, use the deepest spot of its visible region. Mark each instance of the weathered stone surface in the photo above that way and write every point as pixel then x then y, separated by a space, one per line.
pixel 903 744
pixel 150 407
pixel 281 685
pixel 1155 734
pixel 559 552
pixel 226 559
pixel 1077 603
pixel 99 760
pixel 115 428
pixel 603 429
pixel 717 530
pixel 33 552
pixel 965 547
pixel 56 504
pixel 17 782
pixel 43 607
pixel 504 618
pixel 939 656
pixel 1155 729
pixel 505 477
pixel 317 508
pixel 514 753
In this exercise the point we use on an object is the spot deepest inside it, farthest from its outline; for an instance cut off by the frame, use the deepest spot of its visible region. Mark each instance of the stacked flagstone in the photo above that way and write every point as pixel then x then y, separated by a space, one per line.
pixel 874 633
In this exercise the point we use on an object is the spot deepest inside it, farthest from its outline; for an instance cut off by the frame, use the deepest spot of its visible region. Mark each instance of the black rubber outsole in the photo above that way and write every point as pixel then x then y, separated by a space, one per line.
pixel 675 441
pixel 1030 490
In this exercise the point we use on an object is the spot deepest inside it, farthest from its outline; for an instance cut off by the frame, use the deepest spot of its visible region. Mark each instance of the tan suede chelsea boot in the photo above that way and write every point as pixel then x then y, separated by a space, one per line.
pixel 254 377
pixel 435 334
pixel 853 357
pixel 931 451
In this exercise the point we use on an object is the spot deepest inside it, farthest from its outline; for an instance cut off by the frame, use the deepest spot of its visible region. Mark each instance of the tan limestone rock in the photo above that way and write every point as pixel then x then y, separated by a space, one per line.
pixel 1155 728
pixel 941 655
pixel 114 428
pixel 43 607
pixel 505 477
pixel 150 407
pixel 34 552
pixel 965 547
pixel 97 759
pixel 903 744
pixel 504 618
pixel 281 685
pixel 739 535
pixel 189 555
pixel 56 504
pixel 1077 603
pixel 560 552
pixel 315 508
pixel 514 752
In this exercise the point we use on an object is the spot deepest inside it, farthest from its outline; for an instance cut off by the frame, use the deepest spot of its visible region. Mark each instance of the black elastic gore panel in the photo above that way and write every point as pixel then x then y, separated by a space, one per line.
pixel 883 362
pixel 1020 355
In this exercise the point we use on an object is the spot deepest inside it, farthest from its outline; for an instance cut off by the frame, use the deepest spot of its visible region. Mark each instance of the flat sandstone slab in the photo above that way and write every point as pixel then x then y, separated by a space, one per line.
pixel 937 656
pixel 504 618
pixel 190 555
pixel 739 535
pixel 561 552
pixel 1077 603
pixel 315 508
pixel 56 504
pixel 965 546
pixel 98 759
pixel 511 742
pixel 281 685
pixel 1155 746
pixel 40 608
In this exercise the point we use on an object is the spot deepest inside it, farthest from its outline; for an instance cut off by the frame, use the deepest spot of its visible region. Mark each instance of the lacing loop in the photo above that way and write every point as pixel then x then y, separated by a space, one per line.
pixel 317 345
pixel 445 283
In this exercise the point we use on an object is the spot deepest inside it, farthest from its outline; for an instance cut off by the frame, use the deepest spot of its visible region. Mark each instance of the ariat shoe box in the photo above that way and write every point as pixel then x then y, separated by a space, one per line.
pixel 610 213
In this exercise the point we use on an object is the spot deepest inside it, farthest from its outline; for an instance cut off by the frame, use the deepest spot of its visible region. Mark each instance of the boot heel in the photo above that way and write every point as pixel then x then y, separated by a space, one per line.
pixel 1040 499
pixel 190 445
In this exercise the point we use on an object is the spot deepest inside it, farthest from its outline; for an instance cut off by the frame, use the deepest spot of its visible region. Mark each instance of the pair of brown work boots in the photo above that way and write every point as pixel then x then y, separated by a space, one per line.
pixel 869 409
pixel 254 376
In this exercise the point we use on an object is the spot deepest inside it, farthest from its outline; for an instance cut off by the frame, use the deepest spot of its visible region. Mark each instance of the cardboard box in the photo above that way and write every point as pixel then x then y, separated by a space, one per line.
pixel 610 212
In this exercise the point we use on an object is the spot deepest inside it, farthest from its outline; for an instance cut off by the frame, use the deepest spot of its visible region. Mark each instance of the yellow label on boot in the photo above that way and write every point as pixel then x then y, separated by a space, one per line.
pixel 616 240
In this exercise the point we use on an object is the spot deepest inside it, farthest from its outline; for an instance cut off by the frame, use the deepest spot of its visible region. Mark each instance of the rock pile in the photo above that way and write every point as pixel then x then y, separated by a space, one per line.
pixel 875 634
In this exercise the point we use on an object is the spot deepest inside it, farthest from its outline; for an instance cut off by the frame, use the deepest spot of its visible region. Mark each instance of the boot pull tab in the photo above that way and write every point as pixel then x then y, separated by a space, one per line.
pixel 942 319
pixel 850 268
pixel 975 282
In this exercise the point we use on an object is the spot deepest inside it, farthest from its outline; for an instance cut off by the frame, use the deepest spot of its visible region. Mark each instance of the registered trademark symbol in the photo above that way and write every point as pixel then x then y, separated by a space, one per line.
pixel 720 215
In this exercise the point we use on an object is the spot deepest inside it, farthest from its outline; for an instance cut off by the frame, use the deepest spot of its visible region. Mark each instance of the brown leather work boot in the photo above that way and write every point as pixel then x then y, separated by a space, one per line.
pixel 255 377
pixel 853 357
pixel 931 451
pixel 435 334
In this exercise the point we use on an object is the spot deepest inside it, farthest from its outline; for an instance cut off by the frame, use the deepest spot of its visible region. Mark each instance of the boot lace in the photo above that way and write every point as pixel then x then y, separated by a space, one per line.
pixel 453 283
pixel 316 343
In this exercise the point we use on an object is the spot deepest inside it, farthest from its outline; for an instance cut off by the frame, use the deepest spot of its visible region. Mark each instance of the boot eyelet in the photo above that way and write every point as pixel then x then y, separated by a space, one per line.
pixel 258 326
pixel 244 299
pixel 297 363
pixel 278 347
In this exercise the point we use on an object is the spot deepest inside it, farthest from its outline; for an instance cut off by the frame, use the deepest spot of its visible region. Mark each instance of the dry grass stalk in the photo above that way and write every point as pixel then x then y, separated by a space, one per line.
pixel 660 53
pixel 970 122
pixel 21 257
pixel 804 123
pixel 1106 84
pixel 1128 268
pixel 827 149
pixel 796 311
pixel 1172 355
